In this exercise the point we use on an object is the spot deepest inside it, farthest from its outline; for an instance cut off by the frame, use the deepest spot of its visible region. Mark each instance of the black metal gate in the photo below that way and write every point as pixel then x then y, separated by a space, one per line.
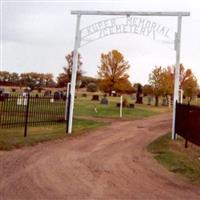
pixel 187 122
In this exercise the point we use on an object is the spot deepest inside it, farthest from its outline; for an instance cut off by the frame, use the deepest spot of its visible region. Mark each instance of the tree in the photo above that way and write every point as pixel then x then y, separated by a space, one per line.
pixel 198 92
pixel 92 87
pixel 36 80
pixel 167 81
pixel 4 77
pixel 147 90
pixel 85 80
pixel 7 78
pixel 184 75
pixel 139 96
pixel 162 81
pixel 155 80
pixel 31 79
pixel 123 86
pixel 14 78
pixel 190 87
pixel 112 72
pixel 48 80
pixel 65 77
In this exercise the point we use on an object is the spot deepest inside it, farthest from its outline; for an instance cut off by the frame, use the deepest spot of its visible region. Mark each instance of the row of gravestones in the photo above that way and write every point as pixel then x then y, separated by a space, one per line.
pixel 104 101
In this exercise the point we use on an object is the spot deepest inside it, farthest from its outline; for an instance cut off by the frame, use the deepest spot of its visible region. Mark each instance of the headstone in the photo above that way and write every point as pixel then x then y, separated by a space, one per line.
pixel 118 104
pixel 164 101
pixel 24 94
pixel 47 93
pixel 84 95
pixel 133 96
pixel 139 95
pixel 1 90
pixel 25 101
pixel 64 97
pixel 149 99
pixel 19 100
pixel 51 100
pixel 131 105
pixel 95 98
pixel 104 100
pixel 22 99
pixel 56 96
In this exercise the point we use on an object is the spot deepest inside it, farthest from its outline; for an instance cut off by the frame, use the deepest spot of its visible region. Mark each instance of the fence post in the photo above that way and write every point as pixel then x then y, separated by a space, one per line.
pixel 68 109
pixel 26 116
pixel 67 105
pixel 121 106
pixel 187 125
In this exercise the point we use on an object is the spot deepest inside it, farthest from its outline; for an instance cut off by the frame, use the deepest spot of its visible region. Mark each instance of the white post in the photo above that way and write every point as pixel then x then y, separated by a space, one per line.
pixel 67 96
pixel 121 106
pixel 181 95
pixel 169 101
pixel 177 74
pixel 74 72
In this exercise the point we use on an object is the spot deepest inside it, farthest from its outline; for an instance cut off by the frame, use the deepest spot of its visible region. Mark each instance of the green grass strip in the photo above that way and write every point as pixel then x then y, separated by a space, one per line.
pixel 13 138
pixel 173 156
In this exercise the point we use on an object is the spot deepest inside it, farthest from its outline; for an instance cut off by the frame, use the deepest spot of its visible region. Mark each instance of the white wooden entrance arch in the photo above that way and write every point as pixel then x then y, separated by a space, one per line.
pixel 177 44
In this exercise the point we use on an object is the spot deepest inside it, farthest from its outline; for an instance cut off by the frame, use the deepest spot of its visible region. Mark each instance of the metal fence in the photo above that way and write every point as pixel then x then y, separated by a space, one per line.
pixel 20 111
pixel 188 122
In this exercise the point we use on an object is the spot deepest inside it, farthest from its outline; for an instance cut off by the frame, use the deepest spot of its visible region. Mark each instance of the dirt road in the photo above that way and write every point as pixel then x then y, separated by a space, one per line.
pixel 111 163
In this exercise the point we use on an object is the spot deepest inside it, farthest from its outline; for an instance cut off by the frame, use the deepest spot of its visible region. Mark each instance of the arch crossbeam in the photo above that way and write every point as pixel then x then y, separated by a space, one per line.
pixel 138 13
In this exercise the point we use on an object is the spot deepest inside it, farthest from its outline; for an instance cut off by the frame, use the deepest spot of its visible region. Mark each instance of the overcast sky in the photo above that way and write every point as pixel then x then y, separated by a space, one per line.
pixel 36 36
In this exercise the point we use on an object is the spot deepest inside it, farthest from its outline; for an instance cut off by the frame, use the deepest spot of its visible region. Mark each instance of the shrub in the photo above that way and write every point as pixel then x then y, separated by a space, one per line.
pixel 92 87
pixel 84 95
pixel 125 103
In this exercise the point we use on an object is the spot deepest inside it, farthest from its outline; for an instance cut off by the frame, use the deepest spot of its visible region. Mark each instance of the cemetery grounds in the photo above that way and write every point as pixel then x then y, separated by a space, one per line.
pixel 109 161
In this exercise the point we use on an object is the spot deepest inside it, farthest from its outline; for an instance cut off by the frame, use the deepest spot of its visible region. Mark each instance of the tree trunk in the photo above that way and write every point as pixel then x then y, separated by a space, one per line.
pixel 156 102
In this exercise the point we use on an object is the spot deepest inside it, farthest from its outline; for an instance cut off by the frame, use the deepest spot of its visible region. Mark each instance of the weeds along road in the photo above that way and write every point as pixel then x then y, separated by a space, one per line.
pixel 110 163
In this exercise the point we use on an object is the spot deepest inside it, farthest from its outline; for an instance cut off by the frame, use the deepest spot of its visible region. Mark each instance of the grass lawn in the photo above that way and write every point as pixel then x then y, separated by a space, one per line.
pixel 42 109
pixel 86 107
pixel 176 158
pixel 13 138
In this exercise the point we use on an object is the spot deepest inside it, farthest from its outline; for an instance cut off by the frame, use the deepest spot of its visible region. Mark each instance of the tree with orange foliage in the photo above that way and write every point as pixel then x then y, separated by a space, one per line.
pixel 190 88
pixel 184 74
pixel 162 81
pixel 112 73
pixel 156 81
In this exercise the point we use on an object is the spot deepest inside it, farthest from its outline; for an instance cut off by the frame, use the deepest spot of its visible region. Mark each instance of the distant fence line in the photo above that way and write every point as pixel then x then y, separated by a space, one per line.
pixel 19 111
pixel 188 122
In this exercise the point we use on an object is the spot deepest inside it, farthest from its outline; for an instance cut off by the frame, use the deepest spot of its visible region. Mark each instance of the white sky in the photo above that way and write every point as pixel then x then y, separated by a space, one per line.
pixel 36 36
